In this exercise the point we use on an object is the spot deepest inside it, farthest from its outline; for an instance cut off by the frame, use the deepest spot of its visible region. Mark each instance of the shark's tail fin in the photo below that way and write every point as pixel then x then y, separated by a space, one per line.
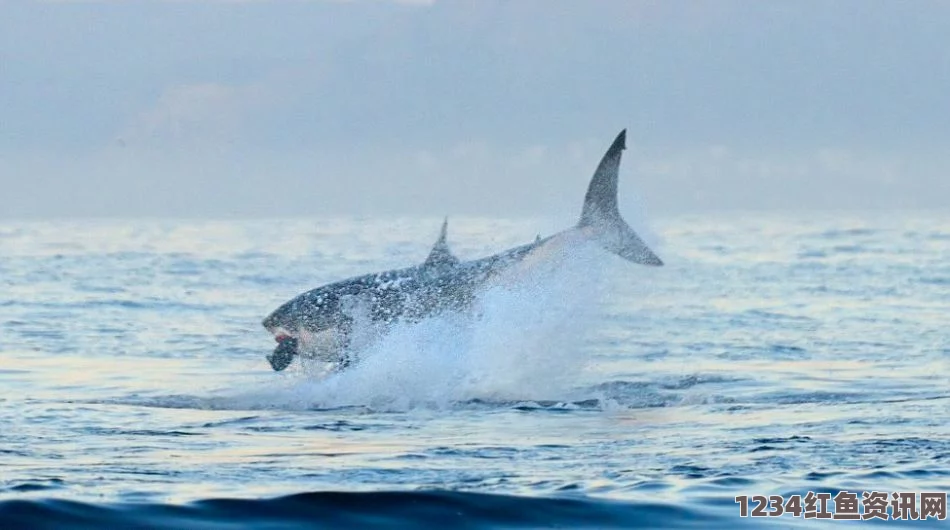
pixel 602 217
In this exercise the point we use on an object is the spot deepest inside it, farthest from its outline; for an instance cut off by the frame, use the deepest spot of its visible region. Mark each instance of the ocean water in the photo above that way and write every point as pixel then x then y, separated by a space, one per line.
pixel 772 355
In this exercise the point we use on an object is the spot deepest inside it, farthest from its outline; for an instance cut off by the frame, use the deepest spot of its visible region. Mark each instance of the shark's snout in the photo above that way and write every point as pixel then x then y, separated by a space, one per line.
pixel 284 353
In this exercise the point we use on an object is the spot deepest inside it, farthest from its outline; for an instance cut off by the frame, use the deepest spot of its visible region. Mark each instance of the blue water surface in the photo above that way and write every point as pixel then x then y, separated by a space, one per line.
pixel 773 354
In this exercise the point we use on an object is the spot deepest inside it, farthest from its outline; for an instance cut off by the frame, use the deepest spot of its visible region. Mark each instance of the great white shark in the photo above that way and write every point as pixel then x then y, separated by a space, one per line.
pixel 320 322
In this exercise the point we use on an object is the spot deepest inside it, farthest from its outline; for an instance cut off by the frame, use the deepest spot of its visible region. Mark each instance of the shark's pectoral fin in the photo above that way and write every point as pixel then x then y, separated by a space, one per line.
pixel 601 216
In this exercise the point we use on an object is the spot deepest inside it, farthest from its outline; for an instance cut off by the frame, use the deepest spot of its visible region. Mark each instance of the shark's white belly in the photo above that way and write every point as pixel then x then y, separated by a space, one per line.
pixel 326 345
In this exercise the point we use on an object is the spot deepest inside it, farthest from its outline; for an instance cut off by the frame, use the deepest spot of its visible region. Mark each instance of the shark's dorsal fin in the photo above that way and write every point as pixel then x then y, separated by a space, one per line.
pixel 440 254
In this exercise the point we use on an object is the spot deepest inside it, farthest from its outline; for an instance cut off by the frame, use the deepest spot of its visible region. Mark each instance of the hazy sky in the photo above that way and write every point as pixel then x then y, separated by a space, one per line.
pixel 255 108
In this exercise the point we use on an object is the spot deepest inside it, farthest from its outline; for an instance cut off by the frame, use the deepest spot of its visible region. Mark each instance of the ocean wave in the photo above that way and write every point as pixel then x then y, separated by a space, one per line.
pixel 389 509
